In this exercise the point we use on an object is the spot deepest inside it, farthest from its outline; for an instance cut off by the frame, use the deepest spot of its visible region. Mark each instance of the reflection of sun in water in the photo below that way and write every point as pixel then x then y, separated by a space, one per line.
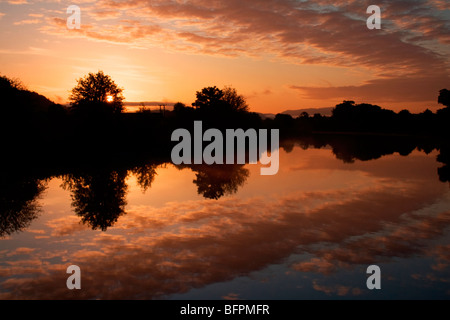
pixel 109 98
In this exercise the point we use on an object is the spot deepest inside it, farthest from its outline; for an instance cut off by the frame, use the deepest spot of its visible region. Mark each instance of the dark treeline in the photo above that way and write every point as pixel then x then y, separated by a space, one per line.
pixel 98 186
pixel 95 127
pixel 371 119
pixel 92 145
pixel 95 120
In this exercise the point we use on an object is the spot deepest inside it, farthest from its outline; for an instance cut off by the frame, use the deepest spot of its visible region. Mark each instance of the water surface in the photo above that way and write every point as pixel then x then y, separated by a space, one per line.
pixel 158 231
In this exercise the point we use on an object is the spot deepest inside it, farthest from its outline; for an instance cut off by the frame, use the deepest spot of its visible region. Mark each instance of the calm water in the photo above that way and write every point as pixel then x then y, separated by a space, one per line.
pixel 166 232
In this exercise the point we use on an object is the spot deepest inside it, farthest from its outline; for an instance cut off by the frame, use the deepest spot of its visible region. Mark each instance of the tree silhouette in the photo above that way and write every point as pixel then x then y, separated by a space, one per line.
pixel 444 157
pixel 217 100
pixel 98 197
pixel 97 93
pixel 179 107
pixel 362 117
pixel 214 181
pixel 444 97
pixel 208 98
pixel 18 205
pixel 145 175
pixel 304 115
pixel 20 101
pixel 183 112
pixel 15 83
pixel 354 147
pixel 235 101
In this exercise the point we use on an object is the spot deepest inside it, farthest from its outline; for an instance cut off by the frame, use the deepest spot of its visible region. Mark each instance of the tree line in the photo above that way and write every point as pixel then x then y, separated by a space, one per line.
pixel 96 116
pixel 98 186
pixel 92 145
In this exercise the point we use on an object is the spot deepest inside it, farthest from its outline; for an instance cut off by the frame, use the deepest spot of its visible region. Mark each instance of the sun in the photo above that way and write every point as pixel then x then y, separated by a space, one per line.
pixel 109 98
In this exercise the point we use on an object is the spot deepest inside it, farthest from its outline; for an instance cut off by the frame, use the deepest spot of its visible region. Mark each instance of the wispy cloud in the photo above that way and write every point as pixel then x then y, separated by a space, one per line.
pixel 27 21
pixel 339 290
pixel 36 15
pixel 389 89
pixel 17 1
pixel 303 32
pixel 412 46
pixel 28 51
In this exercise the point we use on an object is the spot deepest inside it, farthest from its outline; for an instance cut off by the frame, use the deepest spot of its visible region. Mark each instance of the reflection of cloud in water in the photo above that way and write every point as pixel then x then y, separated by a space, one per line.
pixel 339 290
pixel 153 253
pixel 65 226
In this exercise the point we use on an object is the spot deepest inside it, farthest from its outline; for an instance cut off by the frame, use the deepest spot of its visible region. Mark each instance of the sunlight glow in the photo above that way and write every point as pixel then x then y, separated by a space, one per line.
pixel 109 98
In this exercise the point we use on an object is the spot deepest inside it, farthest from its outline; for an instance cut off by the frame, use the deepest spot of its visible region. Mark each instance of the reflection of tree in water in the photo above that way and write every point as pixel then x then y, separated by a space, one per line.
pixel 370 148
pixel 145 175
pixel 287 145
pixel 351 147
pixel 444 171
pixel 214 181
pixel 18 205
pixel 98 197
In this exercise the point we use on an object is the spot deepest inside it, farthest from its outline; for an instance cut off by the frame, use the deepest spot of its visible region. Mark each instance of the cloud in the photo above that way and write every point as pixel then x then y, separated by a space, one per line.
pixel 99 14
pixel 231 296
pixel 404 240
pixel 28 51
pixel 439 4
pixel 28 21
pixel 65 226
pixel 20 251
pixel 17 2
pixel 410 89
pixel 442 254
pixel 36 231
pixel 315 265
pixel 339 290
pixel 407 60
pixel 324 32
pixel 125 32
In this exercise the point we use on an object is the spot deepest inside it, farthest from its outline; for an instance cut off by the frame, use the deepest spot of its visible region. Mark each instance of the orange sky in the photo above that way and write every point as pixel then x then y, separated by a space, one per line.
pixel 280 54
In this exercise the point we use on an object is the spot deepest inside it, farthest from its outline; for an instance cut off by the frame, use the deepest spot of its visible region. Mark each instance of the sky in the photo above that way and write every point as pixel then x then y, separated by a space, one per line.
pixel 279 54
